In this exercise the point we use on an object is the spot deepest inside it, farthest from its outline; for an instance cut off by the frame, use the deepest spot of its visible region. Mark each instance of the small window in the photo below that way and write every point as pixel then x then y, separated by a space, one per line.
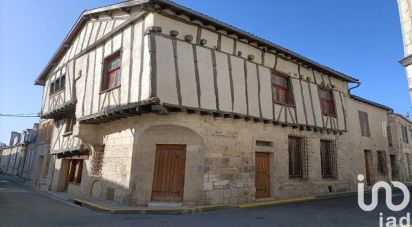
pixel 364 123
pixel 70 122
pixel 328 157
pixel 326 102
pixel 389 132
pixel 111 77
pixel 62 82
pixel 263 143
pixel 75 171
pixel 58 84
pixel 97 161
pixel 281 90
pixel 382 168
pixel 405 138
pixel 51 88
pixel 298 158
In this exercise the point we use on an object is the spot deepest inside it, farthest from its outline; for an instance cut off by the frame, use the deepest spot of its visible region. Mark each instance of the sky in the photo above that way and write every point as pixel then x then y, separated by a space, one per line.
pixel 359 38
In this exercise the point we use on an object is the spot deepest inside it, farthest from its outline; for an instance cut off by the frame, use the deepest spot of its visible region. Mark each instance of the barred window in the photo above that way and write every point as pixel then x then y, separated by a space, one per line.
pixel 382 168
pixel 298 158
pixel 97 161
pixel 328 157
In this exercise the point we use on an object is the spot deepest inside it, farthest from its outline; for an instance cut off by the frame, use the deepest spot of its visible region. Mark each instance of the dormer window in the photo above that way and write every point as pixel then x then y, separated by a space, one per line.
pixel 281 90
pixel 111 76
pixel 326 102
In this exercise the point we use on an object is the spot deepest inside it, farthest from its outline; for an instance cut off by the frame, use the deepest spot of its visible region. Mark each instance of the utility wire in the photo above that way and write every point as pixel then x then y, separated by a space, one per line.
pixel 20 115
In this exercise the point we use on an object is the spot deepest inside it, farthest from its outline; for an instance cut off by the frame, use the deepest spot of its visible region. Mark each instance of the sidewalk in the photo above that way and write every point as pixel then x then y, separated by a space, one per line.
pixel 108 206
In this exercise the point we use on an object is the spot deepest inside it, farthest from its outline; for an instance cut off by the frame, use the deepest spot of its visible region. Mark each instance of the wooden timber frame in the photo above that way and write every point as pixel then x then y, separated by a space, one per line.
pixel 73 153
pixel 153 105
pixel 61 111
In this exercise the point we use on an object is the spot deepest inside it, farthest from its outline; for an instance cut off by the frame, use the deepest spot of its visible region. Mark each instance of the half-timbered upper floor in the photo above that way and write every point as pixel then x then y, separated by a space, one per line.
pixel 157 56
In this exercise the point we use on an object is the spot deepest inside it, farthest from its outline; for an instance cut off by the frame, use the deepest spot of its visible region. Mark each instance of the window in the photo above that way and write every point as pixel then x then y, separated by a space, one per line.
pixel 111 77
pixel 281 90
pixel 297 158
pixel 405 138
pixel 58 84
pixel 364 123
pixel 97 161
pixel 328 157
pixel 75 171
pixel 389 132
pixel 382 168
pixel 70 122
pixel 326 102
pixel 51 88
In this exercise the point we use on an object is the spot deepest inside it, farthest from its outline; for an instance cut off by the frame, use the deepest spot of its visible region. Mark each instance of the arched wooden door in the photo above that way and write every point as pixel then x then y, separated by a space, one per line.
pixel 169 173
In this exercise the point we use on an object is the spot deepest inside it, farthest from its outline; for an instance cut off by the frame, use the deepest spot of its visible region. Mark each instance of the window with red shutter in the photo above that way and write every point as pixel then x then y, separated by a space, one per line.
pixel 326 102
pixel 111 76
pixel 281 90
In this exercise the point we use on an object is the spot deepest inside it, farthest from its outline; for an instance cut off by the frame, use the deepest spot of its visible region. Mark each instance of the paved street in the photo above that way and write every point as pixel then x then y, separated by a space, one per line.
pixel 23 205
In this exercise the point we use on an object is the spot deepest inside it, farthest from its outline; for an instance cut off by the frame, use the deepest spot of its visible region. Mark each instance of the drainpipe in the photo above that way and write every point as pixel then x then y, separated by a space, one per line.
pixel 357 85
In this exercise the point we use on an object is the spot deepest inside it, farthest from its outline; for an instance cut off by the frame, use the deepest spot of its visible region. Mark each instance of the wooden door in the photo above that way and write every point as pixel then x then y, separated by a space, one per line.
pixel 262 176
pixel 368 160
pixel 169 173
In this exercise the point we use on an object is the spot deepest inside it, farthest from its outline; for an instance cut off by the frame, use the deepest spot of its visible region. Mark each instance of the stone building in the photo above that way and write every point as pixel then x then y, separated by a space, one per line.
pixel 400 147
pixel 152 101
pixel 14 157
pixel 405 12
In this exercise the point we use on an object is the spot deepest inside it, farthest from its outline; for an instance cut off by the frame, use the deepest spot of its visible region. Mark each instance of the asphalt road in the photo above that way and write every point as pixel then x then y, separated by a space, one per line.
pixel 23 205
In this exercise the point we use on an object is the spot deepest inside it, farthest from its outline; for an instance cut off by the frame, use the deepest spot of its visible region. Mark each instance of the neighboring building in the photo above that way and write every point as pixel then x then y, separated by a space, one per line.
pixel 368 135
pixel 400 144
pixel 405 12
pixel 154 102
pixel 15 158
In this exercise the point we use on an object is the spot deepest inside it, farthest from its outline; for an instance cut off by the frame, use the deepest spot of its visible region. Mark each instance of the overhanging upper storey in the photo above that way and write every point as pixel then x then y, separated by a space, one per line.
pixel 191 16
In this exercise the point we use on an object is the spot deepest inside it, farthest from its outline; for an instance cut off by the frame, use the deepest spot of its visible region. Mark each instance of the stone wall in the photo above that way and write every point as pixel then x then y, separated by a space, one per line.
pixel 220 164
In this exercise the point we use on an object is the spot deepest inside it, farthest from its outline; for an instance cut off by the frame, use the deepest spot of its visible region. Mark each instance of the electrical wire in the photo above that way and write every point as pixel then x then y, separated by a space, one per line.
pixel 20 115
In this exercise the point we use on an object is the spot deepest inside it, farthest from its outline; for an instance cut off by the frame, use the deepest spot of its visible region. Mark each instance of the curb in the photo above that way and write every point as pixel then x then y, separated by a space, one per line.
pixel 188 210
pixel 277 202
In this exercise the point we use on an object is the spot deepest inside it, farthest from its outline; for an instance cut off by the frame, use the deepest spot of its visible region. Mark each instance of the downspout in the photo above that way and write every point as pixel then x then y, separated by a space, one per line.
pixel 357 85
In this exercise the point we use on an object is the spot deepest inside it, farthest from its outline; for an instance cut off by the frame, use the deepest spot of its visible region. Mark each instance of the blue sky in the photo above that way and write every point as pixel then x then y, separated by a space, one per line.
pixel 360 38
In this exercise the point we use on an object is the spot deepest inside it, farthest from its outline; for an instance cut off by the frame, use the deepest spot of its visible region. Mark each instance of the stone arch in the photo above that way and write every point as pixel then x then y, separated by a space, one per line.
pixel 144 158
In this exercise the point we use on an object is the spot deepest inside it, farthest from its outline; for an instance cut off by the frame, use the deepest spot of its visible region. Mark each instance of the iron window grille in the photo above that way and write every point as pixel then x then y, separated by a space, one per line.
pixel 328 157
pixel 97 160
pixel 298 158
